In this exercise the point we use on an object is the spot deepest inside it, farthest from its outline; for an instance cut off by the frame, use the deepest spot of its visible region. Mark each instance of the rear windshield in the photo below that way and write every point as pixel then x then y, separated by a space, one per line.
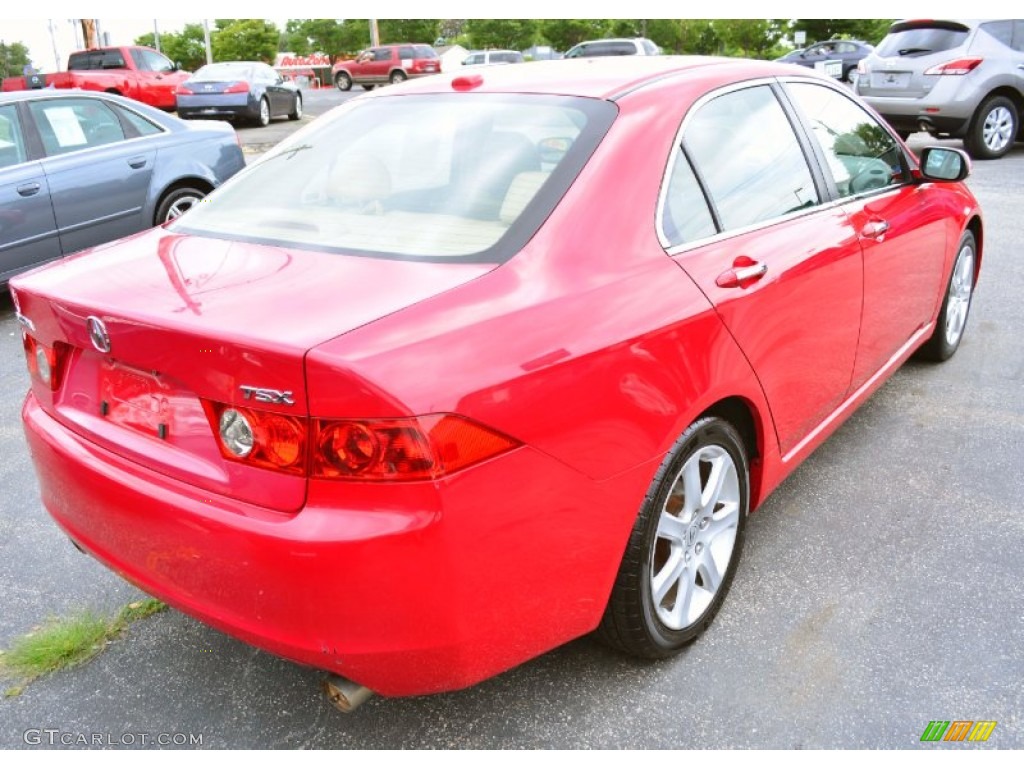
pixel 460 177
pixel 85 60
pixel 921 40
pixel 224 71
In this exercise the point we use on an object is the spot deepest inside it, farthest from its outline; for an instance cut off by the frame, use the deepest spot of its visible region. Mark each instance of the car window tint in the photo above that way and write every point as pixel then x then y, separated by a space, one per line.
pixel 67 125
pixel 157 62
pixel 12 144
pixel 748 156
pixel 406 52
pixel 649 47
pixel 685 215
pixel 860 153
pixel 921 41
pixel 476 58
pixel 382 54
pixel 141 124
pixel 1000 30
pixel 424 52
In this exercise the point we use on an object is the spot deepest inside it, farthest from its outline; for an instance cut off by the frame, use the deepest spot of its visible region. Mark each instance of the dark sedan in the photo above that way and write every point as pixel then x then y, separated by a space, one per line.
pixel 239 90
pixel 79 168
pixel 848 52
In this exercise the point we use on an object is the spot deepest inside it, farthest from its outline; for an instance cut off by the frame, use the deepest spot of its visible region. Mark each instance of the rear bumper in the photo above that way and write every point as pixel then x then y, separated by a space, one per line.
pixel 220 105
pixel 407 589
pixel 948 107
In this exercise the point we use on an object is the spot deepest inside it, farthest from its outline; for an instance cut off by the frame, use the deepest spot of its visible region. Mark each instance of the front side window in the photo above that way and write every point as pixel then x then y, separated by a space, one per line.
pixel 12 144
pixel 433 177
pixel 382 54
pixel 745 149
pixel 861 155
pixel 67 125
pixel 156 62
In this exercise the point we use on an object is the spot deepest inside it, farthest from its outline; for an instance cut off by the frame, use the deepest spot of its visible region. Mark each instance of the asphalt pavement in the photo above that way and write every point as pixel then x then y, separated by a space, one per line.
pixel 879 590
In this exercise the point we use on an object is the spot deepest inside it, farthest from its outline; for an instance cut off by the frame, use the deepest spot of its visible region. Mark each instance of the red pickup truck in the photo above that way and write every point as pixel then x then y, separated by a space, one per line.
pixel 138 73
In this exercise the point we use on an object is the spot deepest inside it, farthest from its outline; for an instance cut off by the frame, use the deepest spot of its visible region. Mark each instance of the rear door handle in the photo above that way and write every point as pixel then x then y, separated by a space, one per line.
pixel 137 162
pixel 874 230
pixel 744 271
pixel 27 190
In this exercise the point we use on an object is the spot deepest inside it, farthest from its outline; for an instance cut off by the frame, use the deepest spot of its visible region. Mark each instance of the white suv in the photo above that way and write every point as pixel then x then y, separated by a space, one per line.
pixel 616 46
pixel 492 57
pixel 963 79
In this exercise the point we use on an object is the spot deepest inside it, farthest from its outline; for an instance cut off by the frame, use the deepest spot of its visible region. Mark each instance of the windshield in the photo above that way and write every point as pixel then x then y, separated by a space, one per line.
pixel 922 40
pixel 462 177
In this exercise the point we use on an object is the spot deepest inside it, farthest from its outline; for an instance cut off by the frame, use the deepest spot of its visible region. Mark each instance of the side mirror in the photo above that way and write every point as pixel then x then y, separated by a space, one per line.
pixel 177 66
pixel 944 164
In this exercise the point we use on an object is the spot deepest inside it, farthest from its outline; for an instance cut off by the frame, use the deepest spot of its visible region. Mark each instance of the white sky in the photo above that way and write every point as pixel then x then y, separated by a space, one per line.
pixel 34 32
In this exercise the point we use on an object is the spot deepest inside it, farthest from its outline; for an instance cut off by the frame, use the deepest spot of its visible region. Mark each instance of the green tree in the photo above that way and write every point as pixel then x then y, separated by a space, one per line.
pixel 563 34
pixel 13 58
pixel 408 30
pixel 748 37
pixel 187 47
pixel 869 30
pixel 245 40
pixel 329 36
pixel 514 34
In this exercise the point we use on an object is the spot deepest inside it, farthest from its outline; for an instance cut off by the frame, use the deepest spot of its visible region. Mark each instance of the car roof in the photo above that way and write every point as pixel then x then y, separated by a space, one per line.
pixel 601 77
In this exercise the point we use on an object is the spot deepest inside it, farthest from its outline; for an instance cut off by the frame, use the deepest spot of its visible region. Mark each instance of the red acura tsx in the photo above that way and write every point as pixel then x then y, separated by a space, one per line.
pixel 478 364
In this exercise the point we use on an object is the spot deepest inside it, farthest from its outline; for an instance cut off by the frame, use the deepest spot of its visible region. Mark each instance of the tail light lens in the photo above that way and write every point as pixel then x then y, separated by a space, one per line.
pixel 45 364
pixel 369 450
pixel 259 438
pixel 955 67
pixel 183 90
pixel 240 87
pixel 862 67
pixel 423 448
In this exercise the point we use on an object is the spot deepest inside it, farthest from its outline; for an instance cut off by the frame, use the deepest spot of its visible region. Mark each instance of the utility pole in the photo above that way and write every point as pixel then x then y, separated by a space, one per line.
pixel 156 36
pixel 206 38
pixel 374 34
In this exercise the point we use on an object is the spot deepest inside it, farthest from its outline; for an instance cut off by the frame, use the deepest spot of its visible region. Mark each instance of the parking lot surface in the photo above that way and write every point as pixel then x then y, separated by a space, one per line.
pixel 879 590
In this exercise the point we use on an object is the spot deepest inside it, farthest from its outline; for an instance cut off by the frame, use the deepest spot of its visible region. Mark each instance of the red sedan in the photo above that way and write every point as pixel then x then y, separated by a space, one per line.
pixel 476 365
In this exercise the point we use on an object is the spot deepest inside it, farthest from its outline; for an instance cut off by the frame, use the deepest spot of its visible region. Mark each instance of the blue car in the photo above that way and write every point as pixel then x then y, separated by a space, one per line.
pixel 79 168
pixel 842 54
pixel 239 90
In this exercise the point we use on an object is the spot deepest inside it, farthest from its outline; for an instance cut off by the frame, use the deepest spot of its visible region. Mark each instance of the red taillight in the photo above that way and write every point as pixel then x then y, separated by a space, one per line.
pixel 955 67
pixel 240 87
pixel 395 450
pixel 259 438
pixel 183 90
pixel 423 448
pixel 45 364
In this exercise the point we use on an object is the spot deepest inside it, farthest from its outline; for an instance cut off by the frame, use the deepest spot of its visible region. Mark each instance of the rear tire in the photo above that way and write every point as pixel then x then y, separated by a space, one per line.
pixel 993 129
pixel 263 120
pixel 176 202
pixel 685 545
pixel 296 113
pixel 398 76
pixel 952 320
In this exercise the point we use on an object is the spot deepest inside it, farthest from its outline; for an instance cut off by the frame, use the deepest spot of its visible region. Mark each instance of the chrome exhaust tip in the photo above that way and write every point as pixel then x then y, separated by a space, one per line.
pixel 344 694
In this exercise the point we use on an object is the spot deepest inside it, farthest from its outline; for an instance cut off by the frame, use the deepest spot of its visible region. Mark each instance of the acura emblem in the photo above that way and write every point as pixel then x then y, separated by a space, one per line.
pixel 98 333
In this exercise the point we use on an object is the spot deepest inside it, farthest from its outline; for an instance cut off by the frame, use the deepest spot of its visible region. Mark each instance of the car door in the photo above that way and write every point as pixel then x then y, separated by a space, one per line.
pixel 902 235
pixel 273 86
pixel 28 231
pixel 379 67
pixel 782 270
pixel 98 178
pixel 157 75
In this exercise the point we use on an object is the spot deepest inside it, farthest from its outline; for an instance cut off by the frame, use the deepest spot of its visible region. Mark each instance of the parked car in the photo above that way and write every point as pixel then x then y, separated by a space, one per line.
pixel 960 79
pixel 476 58
pixel 456 404
pixel 134 71
pixel 386 64
pixel 618 46
pixel 78 169
pixel 237 90
pixel 847 52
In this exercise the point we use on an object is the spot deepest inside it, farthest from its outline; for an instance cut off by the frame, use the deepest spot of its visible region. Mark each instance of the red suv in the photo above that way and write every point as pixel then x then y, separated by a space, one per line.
pixel 386 64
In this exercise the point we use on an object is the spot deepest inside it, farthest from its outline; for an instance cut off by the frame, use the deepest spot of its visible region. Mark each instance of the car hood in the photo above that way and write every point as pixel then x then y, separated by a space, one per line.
pixel 277 296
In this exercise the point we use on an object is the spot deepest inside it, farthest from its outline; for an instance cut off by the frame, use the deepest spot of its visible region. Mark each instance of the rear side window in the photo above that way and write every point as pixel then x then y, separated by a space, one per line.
pixel 424 52
pixel 141 124
pixel 744 148
pixel 610 49
pixel 407 52
pixel 685 216
pixel 1000 30
pixel 922 40
pixel 12 145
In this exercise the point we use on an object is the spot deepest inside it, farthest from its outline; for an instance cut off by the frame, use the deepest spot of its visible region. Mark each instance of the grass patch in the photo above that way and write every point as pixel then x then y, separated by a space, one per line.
pixel 68 642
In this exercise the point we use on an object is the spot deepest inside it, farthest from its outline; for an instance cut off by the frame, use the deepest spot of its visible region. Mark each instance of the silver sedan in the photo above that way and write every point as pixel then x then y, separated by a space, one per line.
pixel 78 169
